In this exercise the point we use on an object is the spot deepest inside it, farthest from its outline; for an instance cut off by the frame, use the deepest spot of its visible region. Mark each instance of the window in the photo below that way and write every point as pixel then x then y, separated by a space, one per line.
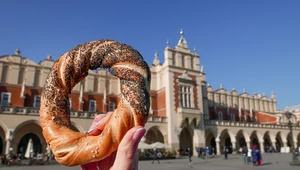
pixel 5 98
pixel 111 106
pixel 37 101
pixel 192 63
pixel 185 96
pixel 92 107
pixel 220 115
pixel 232 117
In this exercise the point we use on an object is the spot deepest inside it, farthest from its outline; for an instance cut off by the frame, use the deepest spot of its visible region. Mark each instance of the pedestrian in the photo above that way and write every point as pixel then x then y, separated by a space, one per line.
pixel 207 151
pixel 245 154
pixel 155 157
pixel 213 152
pixel 259 157
pixel 190 154
pixel 249 155
pixel 225 152
pixel 198 152
pixel 254 155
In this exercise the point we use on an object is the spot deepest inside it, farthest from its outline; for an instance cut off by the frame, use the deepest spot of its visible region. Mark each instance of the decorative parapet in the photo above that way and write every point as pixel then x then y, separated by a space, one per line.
pixel 248 124
pixel 14 110
pixel 157 119
pixel 188 110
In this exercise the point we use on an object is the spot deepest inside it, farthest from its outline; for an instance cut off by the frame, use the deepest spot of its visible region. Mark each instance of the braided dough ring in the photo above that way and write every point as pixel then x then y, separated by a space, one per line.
pixel 72 148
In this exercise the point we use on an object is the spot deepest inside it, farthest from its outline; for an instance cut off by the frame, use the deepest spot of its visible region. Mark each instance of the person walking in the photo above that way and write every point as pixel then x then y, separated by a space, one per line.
pixel 259 158
pixel 207 151
pixel 245 154
pixel 225 152
pixel 249 155
pixel 190 154
pixel 254 155
pixel 155 157
pixel 198 151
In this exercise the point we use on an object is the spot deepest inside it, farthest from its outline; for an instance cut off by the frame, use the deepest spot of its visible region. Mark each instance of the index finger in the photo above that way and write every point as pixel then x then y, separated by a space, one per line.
pixel 99 123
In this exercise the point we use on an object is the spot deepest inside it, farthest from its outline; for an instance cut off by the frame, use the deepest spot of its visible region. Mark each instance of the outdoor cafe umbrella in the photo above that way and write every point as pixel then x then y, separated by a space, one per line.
pixel 29 148
pixel 160 145
pixel 143 145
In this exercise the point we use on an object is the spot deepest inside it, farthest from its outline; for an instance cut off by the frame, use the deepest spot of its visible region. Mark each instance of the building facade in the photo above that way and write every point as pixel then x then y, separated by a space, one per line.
pixel 185 110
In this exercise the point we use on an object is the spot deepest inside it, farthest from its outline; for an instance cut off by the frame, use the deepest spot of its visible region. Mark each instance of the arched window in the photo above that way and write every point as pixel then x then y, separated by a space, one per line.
pixel 37 76
pixel 4 74
pixel 21 75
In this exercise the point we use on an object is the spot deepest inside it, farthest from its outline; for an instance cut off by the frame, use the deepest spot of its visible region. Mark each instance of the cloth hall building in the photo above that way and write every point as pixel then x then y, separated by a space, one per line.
pixel 186 111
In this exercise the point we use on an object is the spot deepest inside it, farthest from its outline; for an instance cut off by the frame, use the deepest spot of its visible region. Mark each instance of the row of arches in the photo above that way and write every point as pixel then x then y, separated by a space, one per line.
pixel 17 141
pixel 186 137
pixel 20 137
pixel 266 142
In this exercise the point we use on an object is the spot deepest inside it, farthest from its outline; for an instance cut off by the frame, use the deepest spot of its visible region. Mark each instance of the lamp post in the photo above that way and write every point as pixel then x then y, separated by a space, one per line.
pixel 295 161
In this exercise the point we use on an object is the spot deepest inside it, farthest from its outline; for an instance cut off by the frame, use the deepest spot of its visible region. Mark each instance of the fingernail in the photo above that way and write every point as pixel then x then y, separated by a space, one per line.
pixel 93 127
pixel 139 134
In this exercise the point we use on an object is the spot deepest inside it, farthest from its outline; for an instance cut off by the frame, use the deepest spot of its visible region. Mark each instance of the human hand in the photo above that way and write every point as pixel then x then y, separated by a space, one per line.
pixel 125 158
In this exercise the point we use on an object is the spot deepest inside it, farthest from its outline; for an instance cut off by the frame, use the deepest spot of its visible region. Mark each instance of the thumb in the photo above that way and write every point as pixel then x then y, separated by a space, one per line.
pixel 127 148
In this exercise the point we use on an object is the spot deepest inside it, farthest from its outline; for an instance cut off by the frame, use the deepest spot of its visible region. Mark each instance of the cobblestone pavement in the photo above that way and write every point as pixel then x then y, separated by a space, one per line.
pixel 234 162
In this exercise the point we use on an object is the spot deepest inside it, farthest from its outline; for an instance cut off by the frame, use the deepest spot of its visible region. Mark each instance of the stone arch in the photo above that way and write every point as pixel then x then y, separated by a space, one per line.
pixel 226 138
pixel 278 142
pixel 4 127
pixel 3 132
pixel 30 126
pixel 22 145
pixel 155 134
pixel 289 142
pixel 242 138
pixel 268 139
pixel 298 139
pixel 76 127
pixel 255 139
pixel 210 139
pixel 186 138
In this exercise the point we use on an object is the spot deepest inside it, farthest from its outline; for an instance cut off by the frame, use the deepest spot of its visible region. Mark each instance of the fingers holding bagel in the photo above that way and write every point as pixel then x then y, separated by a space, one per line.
pixel 99 123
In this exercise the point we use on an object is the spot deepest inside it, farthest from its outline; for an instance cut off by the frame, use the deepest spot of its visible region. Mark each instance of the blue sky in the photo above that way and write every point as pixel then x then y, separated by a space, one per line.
pixel 243 44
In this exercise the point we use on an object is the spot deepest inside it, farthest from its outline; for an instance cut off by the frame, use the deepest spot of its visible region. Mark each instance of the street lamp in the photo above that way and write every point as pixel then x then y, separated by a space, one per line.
pixel 295 161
